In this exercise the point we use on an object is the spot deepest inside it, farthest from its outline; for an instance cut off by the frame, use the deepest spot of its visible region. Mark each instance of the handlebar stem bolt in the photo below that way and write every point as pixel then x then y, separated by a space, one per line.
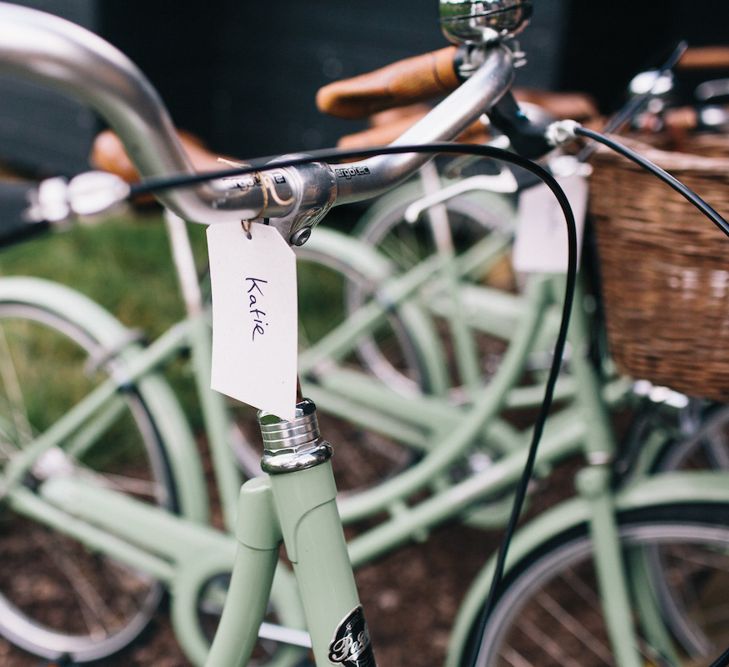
pixel 301 236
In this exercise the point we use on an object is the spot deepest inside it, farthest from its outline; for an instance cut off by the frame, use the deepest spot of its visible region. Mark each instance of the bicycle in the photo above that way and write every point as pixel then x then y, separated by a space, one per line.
pixel 86 501
pixel 382 222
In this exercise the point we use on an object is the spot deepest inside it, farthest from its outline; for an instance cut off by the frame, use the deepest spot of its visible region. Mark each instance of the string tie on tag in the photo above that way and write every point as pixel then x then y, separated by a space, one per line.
pixel 246 224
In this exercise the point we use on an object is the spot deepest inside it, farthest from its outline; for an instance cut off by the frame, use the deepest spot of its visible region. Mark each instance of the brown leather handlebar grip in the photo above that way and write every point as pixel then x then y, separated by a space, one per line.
pixel 705 57
pixel 108 153
pixel 387 126
pixel 407 81
pixel 681 119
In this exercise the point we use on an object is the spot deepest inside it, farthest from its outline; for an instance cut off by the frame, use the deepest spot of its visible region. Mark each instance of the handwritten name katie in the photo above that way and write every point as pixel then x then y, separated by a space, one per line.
pixel 255 299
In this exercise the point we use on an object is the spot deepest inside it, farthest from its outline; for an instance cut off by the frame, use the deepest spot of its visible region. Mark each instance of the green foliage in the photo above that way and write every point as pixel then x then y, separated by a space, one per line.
pixel 125 265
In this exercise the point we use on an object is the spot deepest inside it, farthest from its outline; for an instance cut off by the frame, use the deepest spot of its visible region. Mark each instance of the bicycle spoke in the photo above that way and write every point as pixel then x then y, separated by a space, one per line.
pixel 404 248
pixel 573 626
pixel 16 401
pixel 125 577
pixel 515 659
pixel 718 561
pixel 547 644
pixel 92 607
pixel 133 485
pixel 579 586
pixel 305 339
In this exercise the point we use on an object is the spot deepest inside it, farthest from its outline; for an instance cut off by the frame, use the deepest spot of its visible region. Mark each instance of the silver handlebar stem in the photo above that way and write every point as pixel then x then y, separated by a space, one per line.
pixel 484 88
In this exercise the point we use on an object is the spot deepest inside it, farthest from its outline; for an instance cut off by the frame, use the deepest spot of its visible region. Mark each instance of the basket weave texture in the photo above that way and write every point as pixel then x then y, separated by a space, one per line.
pixel 665 267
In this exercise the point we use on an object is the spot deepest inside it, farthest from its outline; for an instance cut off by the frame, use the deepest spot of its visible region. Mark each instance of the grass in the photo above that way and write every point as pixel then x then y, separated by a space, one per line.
pixel 124 264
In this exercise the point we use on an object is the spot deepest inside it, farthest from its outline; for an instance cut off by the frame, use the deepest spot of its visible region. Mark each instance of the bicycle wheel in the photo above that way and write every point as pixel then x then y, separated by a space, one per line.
pixel 56 597
pixel 406 244
pixel 470 219
pixel 706 448
pixel 703 444
pixel 325 281
pixel 549 610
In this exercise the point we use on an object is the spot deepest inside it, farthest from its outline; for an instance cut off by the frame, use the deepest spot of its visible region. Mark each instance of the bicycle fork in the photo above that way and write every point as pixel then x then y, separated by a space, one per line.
pixel 294 504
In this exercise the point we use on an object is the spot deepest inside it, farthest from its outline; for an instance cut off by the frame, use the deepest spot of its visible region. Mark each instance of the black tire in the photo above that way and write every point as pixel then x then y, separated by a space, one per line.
pixel 57 598
pixel 548 611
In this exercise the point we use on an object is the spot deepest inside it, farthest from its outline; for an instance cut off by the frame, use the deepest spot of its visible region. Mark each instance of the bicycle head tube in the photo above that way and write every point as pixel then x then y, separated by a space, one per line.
pixel 294 445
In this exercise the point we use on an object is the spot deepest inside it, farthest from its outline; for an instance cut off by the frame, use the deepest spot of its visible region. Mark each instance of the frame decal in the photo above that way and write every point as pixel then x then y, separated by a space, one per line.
pixel 351 645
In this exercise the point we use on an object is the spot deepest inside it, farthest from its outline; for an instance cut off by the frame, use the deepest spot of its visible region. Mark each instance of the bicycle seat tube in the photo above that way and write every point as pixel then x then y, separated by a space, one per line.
pixel 56 53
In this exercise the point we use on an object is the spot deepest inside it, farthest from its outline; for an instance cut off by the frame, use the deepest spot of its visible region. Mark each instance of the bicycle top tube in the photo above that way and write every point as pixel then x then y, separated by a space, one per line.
pixel 61 55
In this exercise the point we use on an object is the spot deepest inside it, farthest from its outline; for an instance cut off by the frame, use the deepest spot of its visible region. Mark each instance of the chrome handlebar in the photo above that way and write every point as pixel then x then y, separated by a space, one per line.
pixel 446 121
pixel 56 53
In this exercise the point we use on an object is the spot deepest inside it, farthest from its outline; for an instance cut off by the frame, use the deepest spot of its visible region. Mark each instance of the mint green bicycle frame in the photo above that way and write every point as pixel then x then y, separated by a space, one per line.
pixel 184 553
pixel 298 508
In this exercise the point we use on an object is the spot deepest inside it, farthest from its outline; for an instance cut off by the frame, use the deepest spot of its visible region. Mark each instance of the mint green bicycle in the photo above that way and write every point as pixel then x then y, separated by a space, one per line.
pixel 97 501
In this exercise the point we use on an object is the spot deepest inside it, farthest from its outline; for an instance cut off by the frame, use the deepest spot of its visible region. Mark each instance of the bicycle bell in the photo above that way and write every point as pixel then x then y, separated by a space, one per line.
pixel 482 21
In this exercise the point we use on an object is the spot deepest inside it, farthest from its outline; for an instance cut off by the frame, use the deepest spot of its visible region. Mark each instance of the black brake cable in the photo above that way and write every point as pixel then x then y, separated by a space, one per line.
pixel 657 171
pixel 160 184
pixel 722 660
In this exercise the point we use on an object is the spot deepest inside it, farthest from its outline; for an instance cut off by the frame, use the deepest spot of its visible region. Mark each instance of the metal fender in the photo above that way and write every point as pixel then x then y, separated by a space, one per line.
pixel 159 398
pixel 670 488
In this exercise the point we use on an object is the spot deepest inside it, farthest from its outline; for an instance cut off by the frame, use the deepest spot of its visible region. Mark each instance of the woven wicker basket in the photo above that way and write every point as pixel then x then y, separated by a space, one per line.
pixel 665 267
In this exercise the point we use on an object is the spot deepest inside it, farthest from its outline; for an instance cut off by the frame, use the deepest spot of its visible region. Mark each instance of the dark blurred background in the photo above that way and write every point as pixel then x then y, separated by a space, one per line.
pixel 243 75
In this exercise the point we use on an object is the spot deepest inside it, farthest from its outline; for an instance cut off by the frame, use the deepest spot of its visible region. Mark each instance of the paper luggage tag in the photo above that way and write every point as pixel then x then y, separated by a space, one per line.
pixel 541 234
pixel 255 318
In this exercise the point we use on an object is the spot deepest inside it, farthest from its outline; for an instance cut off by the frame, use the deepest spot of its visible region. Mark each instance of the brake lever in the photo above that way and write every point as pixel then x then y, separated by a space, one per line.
pixel 716 90
pixel 527 138
pixel 503 183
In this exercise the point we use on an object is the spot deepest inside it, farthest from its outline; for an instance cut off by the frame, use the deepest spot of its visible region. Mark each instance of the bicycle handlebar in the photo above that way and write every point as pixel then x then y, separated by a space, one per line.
pixel 61 55
pixel 401 83
pixel 484 88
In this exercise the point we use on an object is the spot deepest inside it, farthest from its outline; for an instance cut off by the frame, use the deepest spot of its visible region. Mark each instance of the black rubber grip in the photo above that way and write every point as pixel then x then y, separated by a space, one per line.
pixel 14 203
pixel 527 138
